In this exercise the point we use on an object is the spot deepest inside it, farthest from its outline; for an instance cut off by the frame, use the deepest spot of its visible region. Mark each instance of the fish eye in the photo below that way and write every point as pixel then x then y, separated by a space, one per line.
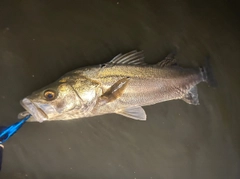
pixel 49 95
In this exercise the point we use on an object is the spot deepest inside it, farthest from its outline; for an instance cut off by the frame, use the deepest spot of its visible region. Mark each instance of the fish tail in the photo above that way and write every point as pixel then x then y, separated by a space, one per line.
pixel 206 73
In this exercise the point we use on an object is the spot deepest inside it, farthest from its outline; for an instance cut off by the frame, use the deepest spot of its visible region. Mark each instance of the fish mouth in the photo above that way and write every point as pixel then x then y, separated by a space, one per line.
pixel 37 113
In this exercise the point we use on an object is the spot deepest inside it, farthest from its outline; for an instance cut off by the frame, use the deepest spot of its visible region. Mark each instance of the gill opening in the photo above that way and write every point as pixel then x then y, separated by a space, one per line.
pixel 77 94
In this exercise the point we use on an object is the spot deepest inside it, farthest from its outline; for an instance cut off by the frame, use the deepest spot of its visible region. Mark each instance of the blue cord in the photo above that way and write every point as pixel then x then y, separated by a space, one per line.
pixel 7 132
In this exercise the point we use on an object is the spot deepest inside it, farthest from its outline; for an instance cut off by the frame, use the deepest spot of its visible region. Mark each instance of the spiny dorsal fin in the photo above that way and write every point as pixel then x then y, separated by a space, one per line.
pixel 130 58
pixel 168 61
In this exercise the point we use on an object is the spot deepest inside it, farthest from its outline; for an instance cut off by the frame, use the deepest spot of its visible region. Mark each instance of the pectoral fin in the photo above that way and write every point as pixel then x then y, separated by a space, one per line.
pixel 192 96
pixel 114 92
pixel 136 113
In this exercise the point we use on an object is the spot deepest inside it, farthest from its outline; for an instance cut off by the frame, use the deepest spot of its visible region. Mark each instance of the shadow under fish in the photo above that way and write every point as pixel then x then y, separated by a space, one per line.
pixel 121 86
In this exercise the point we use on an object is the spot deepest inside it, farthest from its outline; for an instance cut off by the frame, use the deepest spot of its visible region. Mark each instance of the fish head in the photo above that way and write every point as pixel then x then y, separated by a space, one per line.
pixel 51 101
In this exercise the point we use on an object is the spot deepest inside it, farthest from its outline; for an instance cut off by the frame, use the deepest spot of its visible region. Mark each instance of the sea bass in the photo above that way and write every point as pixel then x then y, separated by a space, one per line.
pixel 121 86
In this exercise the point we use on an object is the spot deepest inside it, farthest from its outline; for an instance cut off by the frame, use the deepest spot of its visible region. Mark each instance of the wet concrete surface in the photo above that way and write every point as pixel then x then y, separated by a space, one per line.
pixel 42 40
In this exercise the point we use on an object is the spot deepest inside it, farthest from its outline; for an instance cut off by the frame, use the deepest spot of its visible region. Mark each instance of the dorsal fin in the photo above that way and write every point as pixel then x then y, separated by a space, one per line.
pixel 130 58
pixel 168 60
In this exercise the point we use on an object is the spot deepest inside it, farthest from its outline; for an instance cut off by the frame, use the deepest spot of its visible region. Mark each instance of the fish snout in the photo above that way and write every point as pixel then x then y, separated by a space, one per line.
pixel 37 113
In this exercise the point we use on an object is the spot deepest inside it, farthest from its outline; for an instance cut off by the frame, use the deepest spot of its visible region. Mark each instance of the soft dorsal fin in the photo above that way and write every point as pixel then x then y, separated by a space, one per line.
pixel 131 58
pixel 136 113
pixel 168 61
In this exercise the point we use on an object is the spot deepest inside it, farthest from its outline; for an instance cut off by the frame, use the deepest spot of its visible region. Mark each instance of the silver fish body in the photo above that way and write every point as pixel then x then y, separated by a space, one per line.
pixel 120 86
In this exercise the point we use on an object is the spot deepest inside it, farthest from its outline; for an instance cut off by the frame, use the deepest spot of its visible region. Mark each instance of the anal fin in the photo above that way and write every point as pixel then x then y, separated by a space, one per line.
pixel 192 96
pixel 136 113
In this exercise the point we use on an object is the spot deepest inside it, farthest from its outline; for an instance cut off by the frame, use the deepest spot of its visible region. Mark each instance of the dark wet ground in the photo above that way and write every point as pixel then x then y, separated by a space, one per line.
pixel 42 40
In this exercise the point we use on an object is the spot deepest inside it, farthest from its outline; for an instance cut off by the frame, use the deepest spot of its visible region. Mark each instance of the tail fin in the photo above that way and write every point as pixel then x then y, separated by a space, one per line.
pixel 207 75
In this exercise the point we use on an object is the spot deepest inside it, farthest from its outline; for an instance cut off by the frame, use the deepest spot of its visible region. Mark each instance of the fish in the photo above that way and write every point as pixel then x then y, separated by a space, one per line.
pixel 122 86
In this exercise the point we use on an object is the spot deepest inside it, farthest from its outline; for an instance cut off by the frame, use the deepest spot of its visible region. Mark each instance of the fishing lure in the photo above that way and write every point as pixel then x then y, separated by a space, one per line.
pixel 7 132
